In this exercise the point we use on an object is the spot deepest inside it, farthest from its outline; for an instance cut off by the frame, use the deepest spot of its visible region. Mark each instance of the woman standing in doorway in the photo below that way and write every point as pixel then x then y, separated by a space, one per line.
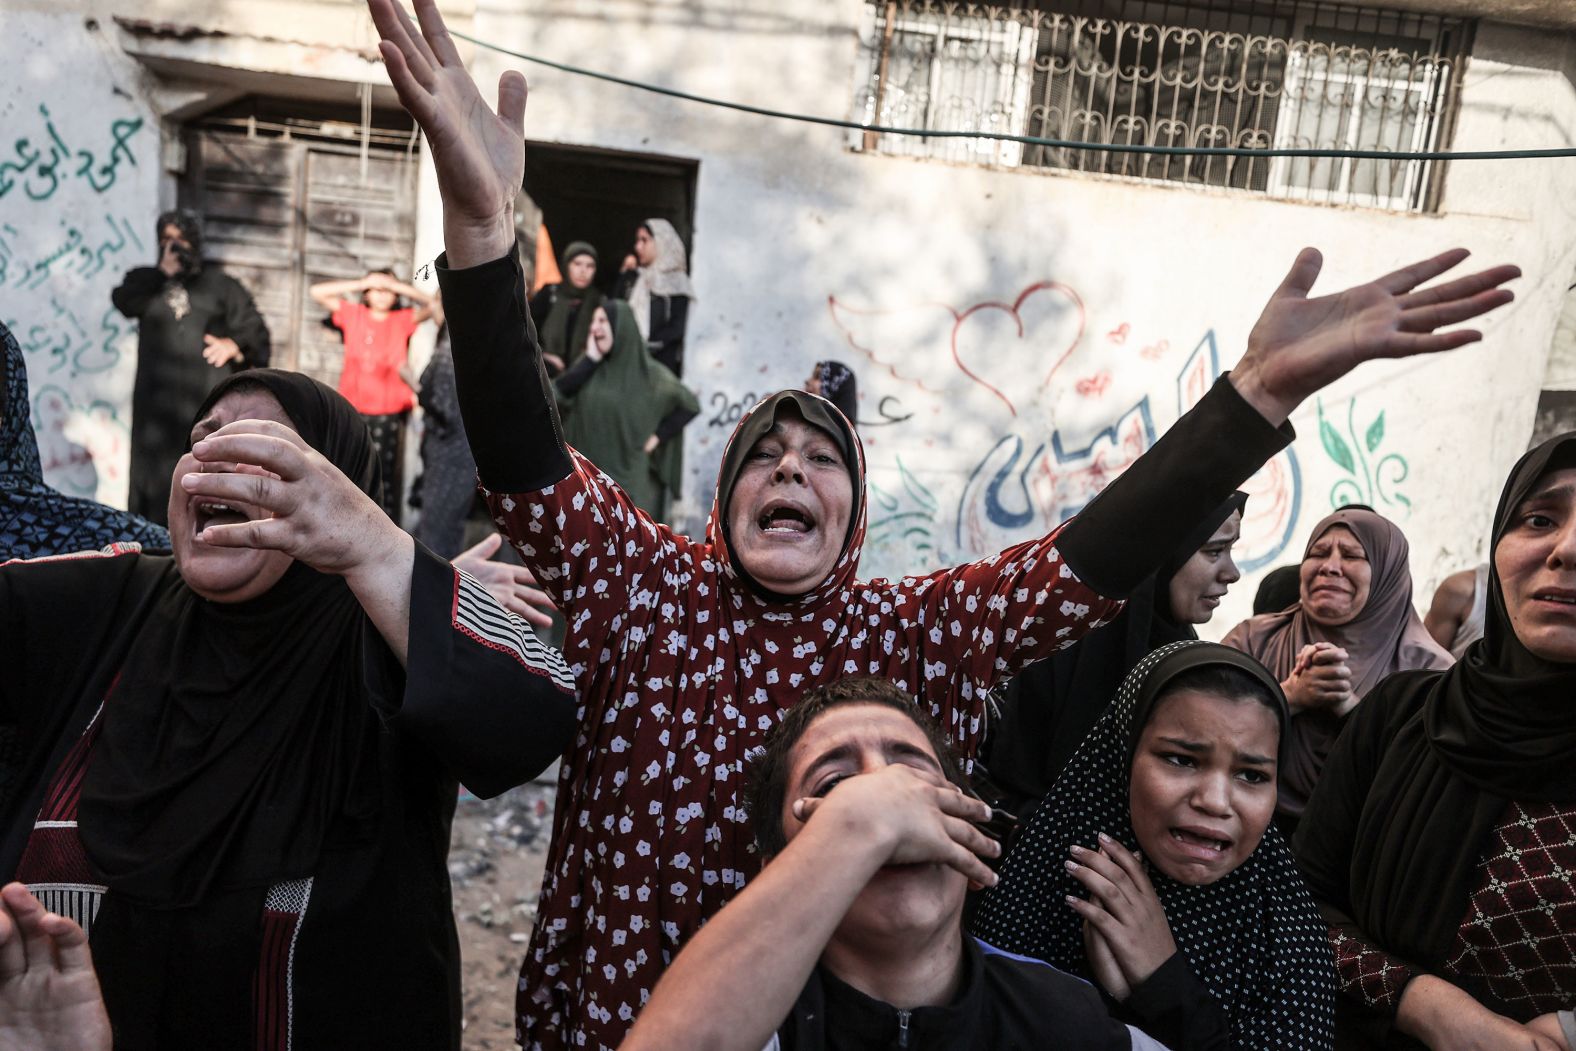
pixel 656 282
pixel 377 331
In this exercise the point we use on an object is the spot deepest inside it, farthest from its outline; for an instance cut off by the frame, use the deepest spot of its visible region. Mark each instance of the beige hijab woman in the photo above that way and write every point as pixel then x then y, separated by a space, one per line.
pixel 1386 636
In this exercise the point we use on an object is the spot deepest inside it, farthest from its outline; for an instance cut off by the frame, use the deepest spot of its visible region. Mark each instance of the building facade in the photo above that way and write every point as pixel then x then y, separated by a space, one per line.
pixel 1024 318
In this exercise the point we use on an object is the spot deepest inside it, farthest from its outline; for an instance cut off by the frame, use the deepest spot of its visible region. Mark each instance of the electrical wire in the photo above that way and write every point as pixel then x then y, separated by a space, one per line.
pixel 1029 140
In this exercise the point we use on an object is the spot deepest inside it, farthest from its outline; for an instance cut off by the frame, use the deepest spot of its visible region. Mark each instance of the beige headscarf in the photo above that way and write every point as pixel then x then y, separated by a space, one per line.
pixel 1385 637
pixel 668 274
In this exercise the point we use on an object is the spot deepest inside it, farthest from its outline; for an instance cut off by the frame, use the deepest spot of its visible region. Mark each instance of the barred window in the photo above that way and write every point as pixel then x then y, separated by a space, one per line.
pixel 1207 73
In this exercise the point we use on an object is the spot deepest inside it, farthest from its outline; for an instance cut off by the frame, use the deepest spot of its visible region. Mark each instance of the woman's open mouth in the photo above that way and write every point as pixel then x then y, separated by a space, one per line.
pixel 207 513
pixel 1200 844
pixel 785 520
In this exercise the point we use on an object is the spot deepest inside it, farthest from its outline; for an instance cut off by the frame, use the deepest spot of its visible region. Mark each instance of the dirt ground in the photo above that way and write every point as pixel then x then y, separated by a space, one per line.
pixel 495 862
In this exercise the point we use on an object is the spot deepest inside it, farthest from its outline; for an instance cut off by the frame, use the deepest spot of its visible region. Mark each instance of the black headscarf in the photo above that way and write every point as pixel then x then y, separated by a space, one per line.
pixel 1254 937
pixel 839 386
pixel 189 223
pixel 36 520
pixel 1393 836
pixel 1047 710
pixel 233 743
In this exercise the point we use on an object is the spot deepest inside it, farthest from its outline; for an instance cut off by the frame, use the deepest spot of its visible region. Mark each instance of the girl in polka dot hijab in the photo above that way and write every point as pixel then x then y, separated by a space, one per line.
pixel 1211 940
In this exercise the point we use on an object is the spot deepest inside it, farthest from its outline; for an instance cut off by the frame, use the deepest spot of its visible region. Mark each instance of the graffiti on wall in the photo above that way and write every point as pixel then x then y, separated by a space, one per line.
pixel 78 192
pixel 1053 406
pixel 1372 475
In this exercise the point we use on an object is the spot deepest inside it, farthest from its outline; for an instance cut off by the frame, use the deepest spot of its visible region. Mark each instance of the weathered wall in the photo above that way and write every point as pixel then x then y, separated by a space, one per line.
pixel 1020 337
pixel 79 172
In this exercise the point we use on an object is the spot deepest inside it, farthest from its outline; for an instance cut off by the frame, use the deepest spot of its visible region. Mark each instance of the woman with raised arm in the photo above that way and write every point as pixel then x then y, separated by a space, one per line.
pixel 687 651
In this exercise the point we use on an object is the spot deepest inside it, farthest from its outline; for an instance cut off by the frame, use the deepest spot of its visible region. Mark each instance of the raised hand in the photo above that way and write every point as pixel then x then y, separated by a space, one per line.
pixel 513 586
pixel 910 818
pixel 1301 344
pixel 479 154
pixel 1123 909
pixel 49 995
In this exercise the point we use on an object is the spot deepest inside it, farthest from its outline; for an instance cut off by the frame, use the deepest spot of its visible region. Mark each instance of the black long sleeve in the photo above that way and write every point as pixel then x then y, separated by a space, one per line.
pixel 667 325
pixel 673 423
pixel 1119 539
pixel 493 705
pixel 138 289
pixel 575 377
pixel 1178 1010
pixel 246 326
pixel 506 399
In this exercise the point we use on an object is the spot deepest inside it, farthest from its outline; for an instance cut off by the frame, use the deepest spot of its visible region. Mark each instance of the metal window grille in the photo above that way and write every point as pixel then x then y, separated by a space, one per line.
pixel 1254 75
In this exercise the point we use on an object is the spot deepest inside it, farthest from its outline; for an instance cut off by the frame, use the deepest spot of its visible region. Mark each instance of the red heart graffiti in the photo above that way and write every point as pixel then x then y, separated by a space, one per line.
pixel 1015 311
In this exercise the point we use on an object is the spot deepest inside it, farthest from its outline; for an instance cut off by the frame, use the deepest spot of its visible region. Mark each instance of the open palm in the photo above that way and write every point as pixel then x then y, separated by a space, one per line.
pixel 479 154
pixel 1301 343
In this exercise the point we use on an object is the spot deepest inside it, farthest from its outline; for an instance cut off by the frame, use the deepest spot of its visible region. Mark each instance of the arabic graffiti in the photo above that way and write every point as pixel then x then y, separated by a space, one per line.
pixel 84 255
pixel 40 168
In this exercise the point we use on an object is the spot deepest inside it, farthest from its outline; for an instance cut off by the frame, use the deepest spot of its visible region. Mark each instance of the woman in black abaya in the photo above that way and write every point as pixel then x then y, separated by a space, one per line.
pixel 238 770
pixel 1438 842
pixel 1047 711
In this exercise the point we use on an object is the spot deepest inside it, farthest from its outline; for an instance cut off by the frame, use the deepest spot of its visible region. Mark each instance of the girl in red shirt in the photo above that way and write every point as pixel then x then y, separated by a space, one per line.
pixel 376 377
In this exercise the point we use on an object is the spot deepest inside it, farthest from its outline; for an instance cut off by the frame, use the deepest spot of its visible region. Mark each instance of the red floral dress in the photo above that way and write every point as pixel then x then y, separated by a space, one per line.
pixel 681 670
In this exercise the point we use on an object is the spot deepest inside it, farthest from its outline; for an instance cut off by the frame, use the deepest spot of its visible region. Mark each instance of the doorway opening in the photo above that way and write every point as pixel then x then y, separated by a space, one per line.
pixel 601 196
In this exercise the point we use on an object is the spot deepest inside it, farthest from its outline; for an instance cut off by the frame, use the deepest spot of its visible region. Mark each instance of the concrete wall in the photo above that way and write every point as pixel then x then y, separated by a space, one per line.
pixel 79 174
pixel 1019 337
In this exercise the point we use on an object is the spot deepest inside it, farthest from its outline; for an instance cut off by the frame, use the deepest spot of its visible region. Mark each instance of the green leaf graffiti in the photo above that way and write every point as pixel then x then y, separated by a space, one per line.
pixel 1374 485
pixel 1335 445
pixel 1375 433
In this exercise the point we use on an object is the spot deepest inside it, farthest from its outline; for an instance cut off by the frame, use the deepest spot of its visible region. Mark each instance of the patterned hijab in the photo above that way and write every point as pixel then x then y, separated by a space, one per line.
pixel 668 274
pixel 36 520
pixel 1254 937
pixel 817 412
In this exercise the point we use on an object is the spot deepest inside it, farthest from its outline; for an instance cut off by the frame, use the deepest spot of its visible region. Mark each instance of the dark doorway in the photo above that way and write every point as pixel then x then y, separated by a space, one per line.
pixel 294 192
pixel 601 196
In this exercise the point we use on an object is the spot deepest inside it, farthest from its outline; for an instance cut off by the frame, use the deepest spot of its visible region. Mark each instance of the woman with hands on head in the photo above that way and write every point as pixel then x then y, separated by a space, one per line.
pixel 1353 625
pixel 688 650
pixel 1438 843
pixel 238 763
pixel 1153 869
pixel 858 795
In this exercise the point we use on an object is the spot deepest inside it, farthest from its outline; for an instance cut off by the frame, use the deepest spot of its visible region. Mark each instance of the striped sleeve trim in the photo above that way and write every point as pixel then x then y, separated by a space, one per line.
pixel 478 615
pixel 127 547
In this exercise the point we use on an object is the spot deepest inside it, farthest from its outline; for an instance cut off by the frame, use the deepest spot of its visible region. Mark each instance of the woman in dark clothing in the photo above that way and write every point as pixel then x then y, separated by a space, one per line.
pixel 656 282
pixel 192 321
pixel 35 519
pixel 446 490
pixel 239 770
pixel 625 412
pixel 1048 710
pixel 835 382
pixel 562 311
pixel 1179 771
pixel 1439 840
pixel 689 649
